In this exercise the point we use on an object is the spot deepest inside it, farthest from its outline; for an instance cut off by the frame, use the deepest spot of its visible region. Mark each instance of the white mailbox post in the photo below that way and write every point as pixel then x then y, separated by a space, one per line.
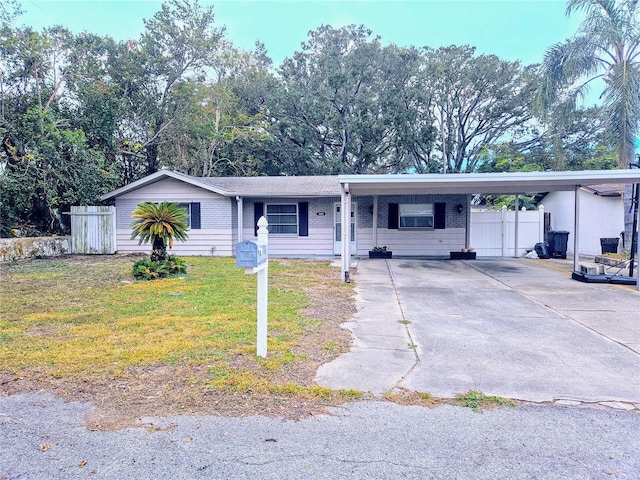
pixel 254 258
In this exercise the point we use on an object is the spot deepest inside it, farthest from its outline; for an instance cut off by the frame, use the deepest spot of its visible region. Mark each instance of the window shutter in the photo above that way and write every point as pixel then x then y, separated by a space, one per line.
pixel 303 219
pixel 393 216
pixel 258 211
pixel 440 216
pixel 195 216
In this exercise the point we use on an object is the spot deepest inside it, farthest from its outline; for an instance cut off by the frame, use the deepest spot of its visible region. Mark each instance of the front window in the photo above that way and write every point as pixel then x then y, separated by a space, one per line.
pixel 282 218
pixel 418 215
pixel 187 209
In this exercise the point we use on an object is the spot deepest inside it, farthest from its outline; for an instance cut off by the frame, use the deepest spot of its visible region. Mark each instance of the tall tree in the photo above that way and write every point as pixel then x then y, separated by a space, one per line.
pixel 49 164
pixel 606 46
pixel 331 101
pixel 177 46
pixel 476 100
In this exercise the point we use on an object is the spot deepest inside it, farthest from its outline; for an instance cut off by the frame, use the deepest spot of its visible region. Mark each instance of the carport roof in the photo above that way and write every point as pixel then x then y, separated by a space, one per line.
pixel 472 183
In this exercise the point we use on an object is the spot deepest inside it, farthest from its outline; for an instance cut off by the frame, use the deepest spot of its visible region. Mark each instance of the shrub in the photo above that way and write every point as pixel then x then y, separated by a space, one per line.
pixel 147 269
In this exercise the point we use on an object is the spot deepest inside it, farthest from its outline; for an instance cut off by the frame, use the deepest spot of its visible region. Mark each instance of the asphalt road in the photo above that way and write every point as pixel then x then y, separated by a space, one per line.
pixel 44 438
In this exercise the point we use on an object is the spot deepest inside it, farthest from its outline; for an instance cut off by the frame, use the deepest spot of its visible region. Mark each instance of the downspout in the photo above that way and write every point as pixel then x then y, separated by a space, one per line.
pixel 240 217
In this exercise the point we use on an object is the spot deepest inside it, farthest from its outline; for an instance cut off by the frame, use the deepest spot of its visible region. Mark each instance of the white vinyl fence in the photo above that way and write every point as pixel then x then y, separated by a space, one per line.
pixel 93 230
pixel 493 233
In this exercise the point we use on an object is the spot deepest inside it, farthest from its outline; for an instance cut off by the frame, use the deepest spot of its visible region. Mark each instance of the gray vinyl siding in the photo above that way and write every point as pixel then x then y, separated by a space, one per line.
pixel 216 216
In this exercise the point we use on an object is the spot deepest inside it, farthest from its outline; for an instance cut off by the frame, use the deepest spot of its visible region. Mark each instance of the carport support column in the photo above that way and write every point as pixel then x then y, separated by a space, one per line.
pixel 576 229
pixel 375 220
pixel 503 230
pixel 515 226
pixel 637 256
pixel 345 213
pixel 467 226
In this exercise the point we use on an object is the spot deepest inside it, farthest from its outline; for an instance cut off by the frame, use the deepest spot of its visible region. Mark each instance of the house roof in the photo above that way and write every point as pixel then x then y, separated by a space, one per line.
pixel 469 183
pixel 606 189
pixel 317 186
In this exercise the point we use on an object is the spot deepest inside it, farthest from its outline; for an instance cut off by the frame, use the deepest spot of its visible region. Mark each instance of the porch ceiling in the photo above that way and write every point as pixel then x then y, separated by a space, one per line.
pixel 472 183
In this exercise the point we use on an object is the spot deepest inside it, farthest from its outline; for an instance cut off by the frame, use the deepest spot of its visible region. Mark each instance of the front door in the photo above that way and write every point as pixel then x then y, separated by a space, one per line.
pixel 337 231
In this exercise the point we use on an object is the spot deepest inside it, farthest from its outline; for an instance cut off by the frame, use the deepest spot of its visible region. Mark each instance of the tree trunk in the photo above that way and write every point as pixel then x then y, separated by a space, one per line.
pixel 159 250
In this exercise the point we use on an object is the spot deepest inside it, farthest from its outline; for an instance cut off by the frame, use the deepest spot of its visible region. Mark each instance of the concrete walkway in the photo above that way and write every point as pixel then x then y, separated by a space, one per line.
pixel 516 328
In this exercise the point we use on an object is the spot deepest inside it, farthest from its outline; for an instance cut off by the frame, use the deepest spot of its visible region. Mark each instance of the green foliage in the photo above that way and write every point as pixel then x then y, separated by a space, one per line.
pixel 607 47
pixel 476 400
pixel 159 224
pixel 147 269
pixel 509 201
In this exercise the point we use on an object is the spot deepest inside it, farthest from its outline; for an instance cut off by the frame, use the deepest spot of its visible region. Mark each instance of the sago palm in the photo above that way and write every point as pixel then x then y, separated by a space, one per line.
pixel 159 224
pixel 607 47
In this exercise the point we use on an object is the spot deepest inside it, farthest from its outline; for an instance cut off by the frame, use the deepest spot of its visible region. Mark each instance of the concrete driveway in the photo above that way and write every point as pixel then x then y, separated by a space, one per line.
pixel 516 328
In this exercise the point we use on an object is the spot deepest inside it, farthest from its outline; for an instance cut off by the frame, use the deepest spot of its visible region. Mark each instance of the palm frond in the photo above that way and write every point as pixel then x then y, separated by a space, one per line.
pixel 164 221
pixel 622 102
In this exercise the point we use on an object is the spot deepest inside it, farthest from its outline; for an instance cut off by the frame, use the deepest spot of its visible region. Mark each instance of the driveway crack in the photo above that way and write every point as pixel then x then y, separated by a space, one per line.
pixel 406 324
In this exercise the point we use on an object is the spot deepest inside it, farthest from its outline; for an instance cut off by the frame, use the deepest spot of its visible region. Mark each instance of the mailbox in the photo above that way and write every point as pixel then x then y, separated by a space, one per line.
pixel 250 254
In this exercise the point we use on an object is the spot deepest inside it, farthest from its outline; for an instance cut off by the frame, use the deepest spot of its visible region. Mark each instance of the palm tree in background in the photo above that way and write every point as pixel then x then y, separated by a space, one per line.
pixel 159 224
pixel 606 46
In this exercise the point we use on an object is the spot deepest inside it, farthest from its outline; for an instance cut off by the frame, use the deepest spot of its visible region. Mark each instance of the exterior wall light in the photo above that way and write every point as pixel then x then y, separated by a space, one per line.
pixel 460 208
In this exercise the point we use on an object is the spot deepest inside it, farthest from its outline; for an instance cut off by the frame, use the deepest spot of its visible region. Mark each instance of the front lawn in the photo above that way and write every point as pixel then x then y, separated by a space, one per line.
pixel 81 327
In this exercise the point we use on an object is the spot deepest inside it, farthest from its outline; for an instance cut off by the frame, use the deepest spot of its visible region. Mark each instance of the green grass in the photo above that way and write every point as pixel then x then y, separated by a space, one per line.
pixel 89 318
pixel 477 401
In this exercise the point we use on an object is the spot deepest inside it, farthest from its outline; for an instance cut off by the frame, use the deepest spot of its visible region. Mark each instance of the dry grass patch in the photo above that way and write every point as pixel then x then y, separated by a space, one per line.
pixel 82 328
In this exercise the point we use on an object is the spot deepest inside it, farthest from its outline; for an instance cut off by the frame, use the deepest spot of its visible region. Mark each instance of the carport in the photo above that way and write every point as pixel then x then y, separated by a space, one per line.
pixel 511 183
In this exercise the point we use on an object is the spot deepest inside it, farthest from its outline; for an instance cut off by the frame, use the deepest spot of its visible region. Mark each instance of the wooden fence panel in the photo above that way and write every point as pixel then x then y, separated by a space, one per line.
pixel 93 230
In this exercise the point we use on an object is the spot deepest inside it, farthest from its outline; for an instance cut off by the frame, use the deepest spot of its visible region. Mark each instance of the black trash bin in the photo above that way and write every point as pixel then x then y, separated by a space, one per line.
pixel 557 240
pixel 609 245
pixel 542 249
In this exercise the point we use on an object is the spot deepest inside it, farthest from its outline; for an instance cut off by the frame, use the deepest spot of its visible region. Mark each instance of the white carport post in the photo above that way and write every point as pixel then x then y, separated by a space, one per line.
pixel 345 220
pixel 503 230
pixel 576 230
pixel 467 225
pixel 637 256
pixel 375 220
pixel 515 226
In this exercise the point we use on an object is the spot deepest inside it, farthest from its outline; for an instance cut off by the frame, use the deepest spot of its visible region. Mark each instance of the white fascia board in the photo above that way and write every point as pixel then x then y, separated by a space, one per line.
pixel 511 182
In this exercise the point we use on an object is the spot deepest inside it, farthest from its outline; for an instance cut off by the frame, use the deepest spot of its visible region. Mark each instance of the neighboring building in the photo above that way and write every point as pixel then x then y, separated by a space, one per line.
pixel 601 215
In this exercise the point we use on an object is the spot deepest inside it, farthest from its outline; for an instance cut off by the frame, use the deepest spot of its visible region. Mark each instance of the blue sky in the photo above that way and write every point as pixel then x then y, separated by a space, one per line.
pixel 512 29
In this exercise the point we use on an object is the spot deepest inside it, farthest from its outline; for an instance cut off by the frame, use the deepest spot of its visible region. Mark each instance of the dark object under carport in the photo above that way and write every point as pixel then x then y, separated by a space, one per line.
pixel 557 240
pixel 615 279
pixel 609 245
pixel 542 249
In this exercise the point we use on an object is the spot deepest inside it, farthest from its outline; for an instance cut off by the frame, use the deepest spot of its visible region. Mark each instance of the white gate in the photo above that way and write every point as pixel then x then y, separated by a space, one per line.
pixel 493 233
pixel 93 230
